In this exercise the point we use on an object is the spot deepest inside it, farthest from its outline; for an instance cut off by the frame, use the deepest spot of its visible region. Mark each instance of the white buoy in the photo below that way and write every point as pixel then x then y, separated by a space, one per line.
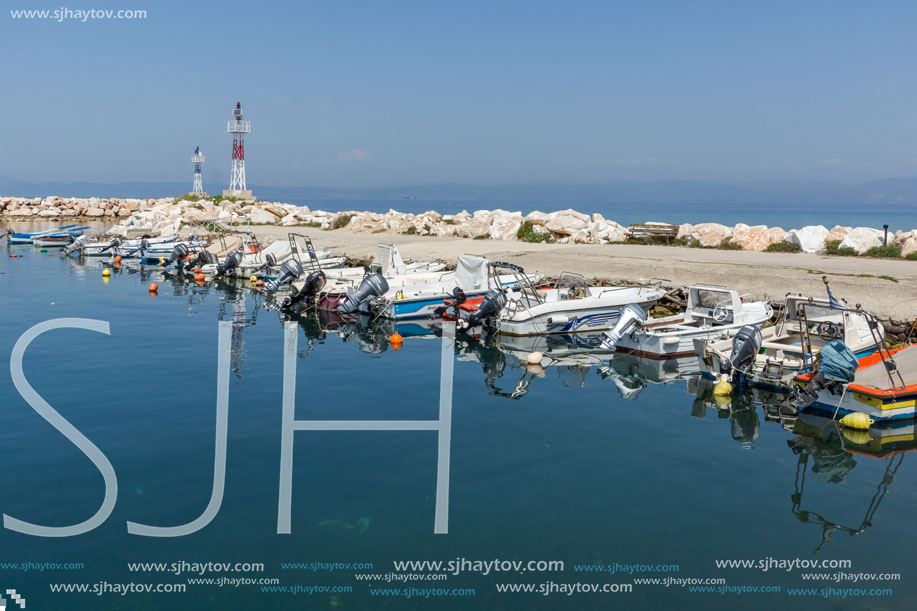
pixel 534 358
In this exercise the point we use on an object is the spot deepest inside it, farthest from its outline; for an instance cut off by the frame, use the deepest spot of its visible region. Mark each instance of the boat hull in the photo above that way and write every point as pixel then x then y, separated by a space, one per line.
pixel 598 317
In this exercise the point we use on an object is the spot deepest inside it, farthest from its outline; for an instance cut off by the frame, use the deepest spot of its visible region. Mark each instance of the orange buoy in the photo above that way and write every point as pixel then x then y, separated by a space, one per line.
pixel 13 256
pixel 259 283
pixel 396 340
pixel 200 277
pixel 197 271
pixel 118 259
pixel 153 287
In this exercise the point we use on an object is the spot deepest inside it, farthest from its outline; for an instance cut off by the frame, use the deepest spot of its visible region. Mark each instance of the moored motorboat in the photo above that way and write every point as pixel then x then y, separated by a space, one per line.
pixel 712 313
pixel 790 347
pixel 571 306
pixel 471 279
pixel 28 238
pixel 879 387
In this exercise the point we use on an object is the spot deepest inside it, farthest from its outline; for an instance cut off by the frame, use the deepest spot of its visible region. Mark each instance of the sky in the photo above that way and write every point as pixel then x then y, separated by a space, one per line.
pixel 366 94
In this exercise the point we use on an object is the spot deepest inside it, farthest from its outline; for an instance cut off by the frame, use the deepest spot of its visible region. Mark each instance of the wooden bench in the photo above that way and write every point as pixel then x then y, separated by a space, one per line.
pixel 652 230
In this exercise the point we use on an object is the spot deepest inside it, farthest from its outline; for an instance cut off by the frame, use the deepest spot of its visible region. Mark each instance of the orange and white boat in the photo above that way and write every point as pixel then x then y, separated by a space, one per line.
pixel 884 387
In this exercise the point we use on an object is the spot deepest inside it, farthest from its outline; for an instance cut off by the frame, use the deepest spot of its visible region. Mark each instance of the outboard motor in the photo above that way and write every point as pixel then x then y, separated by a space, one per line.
pixel 458 298
pixel 745 345
pixel 314 283
pixel 290 271
pixel 373 285
pixel 631 317
pixel 231 262
pixel 204 257
pixel 76 244
pixel 836 367
pixel 179 252
pixel 494 301
pixel 115 244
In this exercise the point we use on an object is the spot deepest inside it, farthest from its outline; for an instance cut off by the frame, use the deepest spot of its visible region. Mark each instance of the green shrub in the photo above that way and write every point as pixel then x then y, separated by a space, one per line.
pixel 912 256
pixel 188 197
pixel 527 233
pixel 783 247
pixel 483 236
pixel 728 244
pixel 341 221
pixel 833 247
pixel 411 230
pixel 891 252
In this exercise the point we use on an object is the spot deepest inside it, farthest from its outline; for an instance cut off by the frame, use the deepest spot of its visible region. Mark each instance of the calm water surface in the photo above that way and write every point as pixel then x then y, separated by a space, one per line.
pixel 567 465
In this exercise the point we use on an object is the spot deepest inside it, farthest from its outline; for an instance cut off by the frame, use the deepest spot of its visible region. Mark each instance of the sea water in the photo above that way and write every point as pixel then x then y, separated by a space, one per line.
pixel 563 464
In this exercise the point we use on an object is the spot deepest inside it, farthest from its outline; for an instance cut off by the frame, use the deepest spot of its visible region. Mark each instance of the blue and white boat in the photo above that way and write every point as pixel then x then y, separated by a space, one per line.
pixel 572 306
pixel 471 279
pixel 28 238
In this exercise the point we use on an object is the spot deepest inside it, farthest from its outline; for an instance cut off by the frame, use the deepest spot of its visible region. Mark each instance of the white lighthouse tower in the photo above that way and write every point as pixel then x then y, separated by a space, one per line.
pixel 238 128
pixel 197 159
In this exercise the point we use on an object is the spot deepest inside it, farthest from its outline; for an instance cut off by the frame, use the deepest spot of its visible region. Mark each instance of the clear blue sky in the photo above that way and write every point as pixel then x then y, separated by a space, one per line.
pixel 387 93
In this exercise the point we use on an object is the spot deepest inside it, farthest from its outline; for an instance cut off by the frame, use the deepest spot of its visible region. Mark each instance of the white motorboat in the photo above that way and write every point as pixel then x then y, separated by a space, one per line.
pixel 388 262
pixel 375 297
pixel 791 346
pixel 572 306
pixel 712 313
pixel 127 247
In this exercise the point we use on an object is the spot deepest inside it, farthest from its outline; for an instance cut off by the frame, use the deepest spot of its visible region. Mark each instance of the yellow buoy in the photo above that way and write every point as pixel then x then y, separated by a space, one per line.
pixel 857 420
pixel 106 272
pixel 856 436
pixel 253 279
pixel 162 259
pixel 723 388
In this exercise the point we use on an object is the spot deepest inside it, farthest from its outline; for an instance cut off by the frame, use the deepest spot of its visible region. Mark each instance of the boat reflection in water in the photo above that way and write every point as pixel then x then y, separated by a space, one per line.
pixel 832 448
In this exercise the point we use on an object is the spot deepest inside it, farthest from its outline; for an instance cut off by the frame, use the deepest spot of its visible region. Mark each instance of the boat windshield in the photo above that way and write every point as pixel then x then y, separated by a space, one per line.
pixel 707 298
pixel 572 286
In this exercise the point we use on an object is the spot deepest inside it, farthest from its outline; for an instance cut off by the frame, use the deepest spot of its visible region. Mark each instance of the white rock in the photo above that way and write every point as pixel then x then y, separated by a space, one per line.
pixel 566 222
pixel 810 239
pixel 862 239
pixel 260 216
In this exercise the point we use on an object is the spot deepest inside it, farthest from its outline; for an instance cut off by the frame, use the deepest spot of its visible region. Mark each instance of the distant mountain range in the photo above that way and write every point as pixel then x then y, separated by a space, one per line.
pixel 884 191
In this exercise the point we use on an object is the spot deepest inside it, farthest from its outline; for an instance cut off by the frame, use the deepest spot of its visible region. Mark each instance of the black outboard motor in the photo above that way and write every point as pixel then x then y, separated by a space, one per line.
pixel 290 271
pixel 373 285
pixel 493 302
pixel 458 297
pixel 179 252
pixel 204 257
pixel 231 262
pixel 115 244
pixel 836 366
pixel 745 345
pixel 314 283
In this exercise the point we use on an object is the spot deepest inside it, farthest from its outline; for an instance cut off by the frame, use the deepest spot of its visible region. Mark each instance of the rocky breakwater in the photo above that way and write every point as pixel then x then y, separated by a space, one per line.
pixel 52 208
pixel 168 215
pixel 809 239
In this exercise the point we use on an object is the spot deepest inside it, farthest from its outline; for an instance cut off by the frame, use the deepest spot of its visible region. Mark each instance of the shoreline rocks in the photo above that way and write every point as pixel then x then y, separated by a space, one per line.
pixel 169 215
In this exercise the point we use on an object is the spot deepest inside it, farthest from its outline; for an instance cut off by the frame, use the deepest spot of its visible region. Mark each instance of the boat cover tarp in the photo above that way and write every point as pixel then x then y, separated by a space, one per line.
pixel 471 273
pixel 837 361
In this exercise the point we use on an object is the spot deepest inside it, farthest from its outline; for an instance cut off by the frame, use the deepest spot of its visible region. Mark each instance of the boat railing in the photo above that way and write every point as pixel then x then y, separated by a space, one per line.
pixel 312 258
pixel 872 323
